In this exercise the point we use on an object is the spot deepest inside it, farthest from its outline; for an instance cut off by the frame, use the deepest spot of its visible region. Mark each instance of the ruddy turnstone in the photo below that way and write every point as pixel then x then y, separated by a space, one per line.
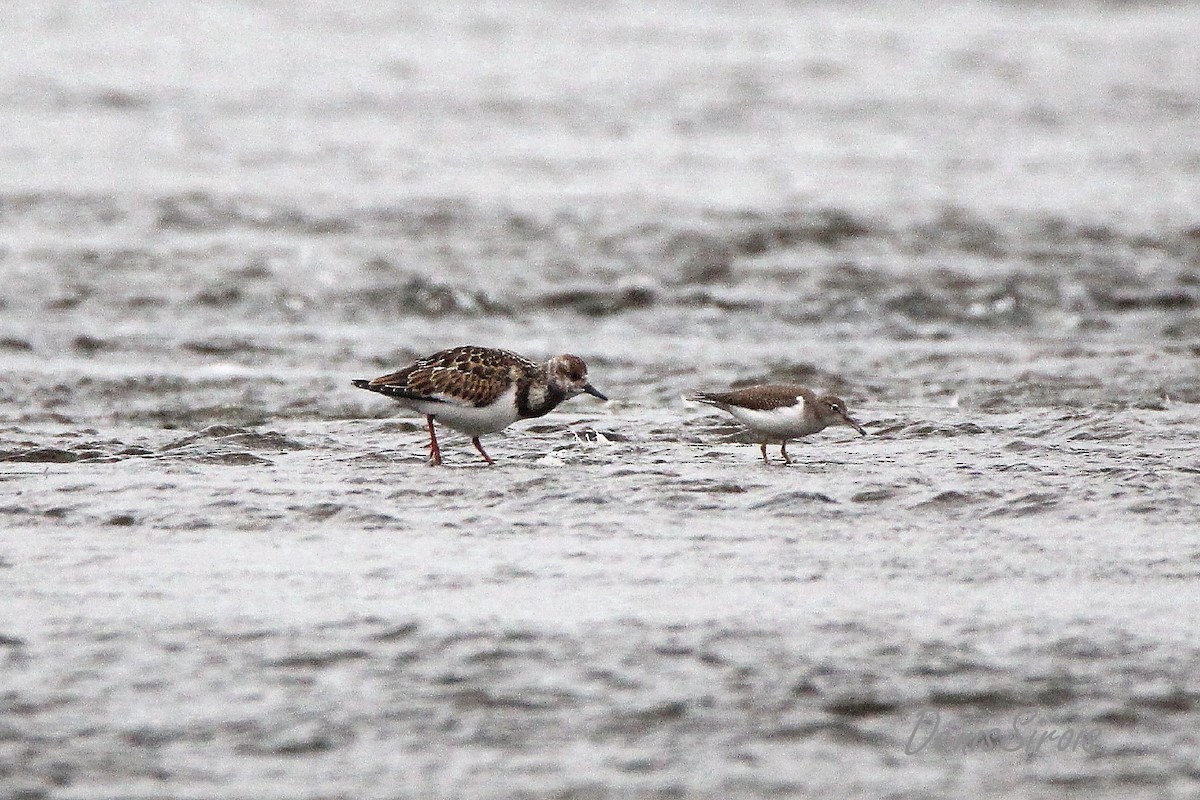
pixel 779 412
pixel 478 390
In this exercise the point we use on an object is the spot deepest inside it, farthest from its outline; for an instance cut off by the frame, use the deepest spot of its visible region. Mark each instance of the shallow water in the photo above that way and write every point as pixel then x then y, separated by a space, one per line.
pixel 225 572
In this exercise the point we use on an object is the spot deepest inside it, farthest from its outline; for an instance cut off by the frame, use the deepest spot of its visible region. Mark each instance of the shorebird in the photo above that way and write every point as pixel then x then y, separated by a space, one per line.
pixel 780 412
pixel 478 390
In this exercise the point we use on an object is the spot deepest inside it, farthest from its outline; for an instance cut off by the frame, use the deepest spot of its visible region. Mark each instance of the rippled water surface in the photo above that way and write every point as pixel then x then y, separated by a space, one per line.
pixel 226 573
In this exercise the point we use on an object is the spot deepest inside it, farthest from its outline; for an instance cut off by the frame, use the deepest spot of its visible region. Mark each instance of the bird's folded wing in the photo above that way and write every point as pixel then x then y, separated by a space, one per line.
pixel 463 383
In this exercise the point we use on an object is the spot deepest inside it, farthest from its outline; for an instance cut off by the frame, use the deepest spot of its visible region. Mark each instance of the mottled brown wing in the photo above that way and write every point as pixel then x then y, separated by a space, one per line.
pixel 757 398
pixel 465 375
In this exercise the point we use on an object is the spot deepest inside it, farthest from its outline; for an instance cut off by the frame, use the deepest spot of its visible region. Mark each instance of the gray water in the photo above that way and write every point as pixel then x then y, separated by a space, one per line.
pixel 226 573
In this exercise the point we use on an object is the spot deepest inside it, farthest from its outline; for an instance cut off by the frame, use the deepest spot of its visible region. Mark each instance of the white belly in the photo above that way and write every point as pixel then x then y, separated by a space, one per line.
pixel 780 423
pixel 472 420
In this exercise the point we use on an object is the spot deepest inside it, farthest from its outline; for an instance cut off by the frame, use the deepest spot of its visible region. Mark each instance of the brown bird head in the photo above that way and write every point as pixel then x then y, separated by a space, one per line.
pixel 568 374
pixel 832 411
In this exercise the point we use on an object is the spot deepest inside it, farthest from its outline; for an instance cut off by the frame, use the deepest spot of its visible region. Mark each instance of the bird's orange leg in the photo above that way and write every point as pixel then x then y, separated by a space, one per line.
pixel 479 447
pixel 435 454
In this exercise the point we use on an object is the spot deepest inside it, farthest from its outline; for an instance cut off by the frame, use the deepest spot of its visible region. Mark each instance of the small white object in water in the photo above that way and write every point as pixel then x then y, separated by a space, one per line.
pixel 592 436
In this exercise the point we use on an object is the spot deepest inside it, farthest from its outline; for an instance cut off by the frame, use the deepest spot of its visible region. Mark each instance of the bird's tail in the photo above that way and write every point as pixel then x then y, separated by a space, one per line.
pixel 361 384
pixel 702 397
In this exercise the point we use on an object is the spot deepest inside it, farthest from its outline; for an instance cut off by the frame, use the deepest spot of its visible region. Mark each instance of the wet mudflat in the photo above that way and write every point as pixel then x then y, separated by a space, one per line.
pixel 225 572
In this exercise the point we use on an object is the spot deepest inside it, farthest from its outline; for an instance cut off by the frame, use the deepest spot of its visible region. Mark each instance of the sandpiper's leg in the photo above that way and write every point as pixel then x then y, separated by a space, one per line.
pixel 479 447
pixel 783 452
pixel 764 452
pixel 435 454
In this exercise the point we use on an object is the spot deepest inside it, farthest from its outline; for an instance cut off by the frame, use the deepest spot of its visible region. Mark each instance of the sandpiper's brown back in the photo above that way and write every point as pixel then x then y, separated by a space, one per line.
pixel 763 397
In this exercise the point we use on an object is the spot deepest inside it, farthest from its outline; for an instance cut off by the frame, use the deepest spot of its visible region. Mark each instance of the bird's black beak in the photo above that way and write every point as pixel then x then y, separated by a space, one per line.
pixel 593 391
pixel 854 424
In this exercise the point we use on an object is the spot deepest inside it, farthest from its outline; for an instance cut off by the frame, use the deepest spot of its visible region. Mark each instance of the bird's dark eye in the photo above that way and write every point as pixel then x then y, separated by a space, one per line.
pixel 835 408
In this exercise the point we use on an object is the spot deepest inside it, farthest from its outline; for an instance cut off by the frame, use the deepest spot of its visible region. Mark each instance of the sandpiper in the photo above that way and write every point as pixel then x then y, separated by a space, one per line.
pixel 779 412
pixel 478 390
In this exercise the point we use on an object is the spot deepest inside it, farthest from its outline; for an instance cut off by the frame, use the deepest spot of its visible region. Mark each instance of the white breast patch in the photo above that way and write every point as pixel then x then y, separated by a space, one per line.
pixel 785 422
pixel 471 420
